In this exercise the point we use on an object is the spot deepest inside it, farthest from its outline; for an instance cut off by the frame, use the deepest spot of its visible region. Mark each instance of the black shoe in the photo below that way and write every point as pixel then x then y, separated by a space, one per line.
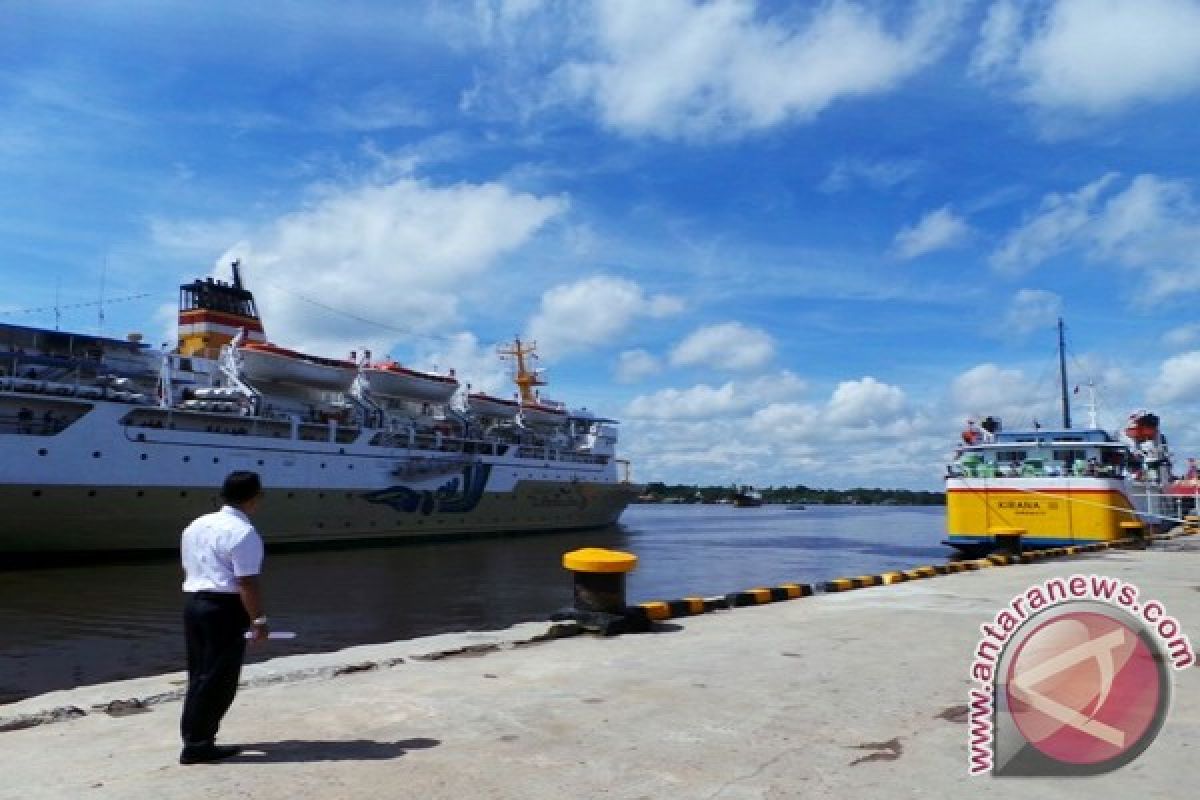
pixel 206 753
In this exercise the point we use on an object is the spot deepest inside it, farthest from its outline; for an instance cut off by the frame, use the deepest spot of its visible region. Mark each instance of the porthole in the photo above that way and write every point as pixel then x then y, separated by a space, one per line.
pixel 216 460
pixel 261 462
pixel 144 456
pixel 95 454
pixel 187 459
pixel 43 451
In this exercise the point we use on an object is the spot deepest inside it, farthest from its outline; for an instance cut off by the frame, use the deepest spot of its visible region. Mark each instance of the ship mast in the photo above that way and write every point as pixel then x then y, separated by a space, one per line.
pixel 523 376
pixel 1062 370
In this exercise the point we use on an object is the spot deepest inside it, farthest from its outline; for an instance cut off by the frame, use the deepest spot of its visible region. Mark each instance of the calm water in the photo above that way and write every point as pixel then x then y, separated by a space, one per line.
pixel 73 626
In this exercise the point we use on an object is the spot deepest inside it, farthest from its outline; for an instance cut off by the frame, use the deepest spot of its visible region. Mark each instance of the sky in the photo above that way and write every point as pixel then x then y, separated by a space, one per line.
pixel 783 242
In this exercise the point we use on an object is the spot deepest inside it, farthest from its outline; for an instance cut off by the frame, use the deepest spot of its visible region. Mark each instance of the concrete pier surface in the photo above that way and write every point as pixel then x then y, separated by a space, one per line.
pixel 860 692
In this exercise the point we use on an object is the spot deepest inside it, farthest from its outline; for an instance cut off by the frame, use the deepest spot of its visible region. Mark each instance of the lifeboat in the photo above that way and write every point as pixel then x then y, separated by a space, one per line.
pixel 543 414
pixel 268 363
pixel 392 380
pixel 1142 426
pixel 487 406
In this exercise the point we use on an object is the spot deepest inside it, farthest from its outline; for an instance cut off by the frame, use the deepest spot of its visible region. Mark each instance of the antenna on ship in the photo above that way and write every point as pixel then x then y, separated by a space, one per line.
pixel 524 377
pixel 1062 370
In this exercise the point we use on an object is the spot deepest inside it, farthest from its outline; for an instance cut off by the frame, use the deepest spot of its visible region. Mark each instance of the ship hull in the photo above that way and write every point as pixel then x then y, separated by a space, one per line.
pixel 1049 512
pixel 129 519
pixel 86 490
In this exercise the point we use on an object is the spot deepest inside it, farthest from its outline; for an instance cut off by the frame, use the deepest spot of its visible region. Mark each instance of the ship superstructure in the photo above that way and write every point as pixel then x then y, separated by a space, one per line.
pixel 112 445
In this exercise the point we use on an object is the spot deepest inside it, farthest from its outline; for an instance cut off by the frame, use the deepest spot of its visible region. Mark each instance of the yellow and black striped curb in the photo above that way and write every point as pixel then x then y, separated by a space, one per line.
pixel 658 610
pixel 753 597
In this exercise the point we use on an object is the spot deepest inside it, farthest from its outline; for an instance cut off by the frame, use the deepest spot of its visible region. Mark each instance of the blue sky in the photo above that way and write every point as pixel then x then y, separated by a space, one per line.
pixel 783 242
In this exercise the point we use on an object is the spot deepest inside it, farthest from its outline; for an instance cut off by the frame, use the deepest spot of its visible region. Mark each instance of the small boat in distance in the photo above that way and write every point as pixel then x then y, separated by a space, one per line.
pixel 747 497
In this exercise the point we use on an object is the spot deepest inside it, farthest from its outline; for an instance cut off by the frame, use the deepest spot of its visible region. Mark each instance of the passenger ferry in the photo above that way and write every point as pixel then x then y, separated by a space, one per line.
pixel 111 445
pixel 1057 486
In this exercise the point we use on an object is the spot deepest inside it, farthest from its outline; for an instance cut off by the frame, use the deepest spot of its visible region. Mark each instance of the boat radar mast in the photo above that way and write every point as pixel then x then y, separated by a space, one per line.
pixel 523 376
pixel 1062 371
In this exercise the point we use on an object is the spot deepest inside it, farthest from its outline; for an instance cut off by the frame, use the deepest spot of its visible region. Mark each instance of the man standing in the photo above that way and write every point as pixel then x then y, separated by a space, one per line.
pixel 222 557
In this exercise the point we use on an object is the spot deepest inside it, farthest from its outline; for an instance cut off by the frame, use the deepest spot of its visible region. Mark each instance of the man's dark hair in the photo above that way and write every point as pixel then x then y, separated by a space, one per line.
pixel 240 487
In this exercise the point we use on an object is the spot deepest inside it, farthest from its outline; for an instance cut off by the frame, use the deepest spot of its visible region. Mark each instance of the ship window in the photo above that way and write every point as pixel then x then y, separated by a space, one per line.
pixel 91 493
pixel 183 494
pixel 95 454
pixel 261 462
pixel 43 452
pixel 216 460
pixel 187 459
pixel 144 456
pixel 37 492
pixel 141 493
pixel 1070 456
pixel 1003 456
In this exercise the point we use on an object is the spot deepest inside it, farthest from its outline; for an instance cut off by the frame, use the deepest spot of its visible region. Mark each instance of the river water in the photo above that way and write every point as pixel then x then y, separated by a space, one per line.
pixel 73 626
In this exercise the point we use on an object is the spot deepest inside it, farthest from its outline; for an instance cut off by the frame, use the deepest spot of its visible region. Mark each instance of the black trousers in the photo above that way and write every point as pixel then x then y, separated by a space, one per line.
pixel 215 625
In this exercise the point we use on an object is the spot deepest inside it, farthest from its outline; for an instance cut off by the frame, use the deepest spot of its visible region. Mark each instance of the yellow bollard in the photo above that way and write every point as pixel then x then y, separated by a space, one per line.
pixel 599 578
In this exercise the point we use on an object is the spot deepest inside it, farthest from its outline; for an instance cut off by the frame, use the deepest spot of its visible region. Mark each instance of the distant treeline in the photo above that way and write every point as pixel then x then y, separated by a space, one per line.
pixel 679 493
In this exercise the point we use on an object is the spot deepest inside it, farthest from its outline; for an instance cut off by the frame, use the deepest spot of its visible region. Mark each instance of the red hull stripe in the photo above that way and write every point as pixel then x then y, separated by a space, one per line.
pixel 1014 490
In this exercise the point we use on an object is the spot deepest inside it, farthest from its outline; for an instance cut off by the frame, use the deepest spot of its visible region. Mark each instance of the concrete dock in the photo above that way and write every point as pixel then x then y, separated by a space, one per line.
pixel 860 693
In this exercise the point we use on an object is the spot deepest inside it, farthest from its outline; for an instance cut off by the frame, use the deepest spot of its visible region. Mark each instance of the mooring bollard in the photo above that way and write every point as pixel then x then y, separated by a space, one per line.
pixel 1135 530
pixel 1008 540
pixel 599 578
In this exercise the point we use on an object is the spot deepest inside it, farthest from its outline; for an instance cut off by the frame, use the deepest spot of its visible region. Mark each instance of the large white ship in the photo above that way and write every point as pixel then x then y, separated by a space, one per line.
pixel 111 445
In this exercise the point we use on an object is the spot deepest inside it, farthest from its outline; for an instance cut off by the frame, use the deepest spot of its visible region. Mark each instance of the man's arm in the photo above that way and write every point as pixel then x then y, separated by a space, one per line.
pixel 251 592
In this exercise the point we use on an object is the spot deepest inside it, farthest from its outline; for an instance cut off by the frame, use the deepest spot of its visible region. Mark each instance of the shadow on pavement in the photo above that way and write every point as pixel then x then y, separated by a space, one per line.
pixel 297 750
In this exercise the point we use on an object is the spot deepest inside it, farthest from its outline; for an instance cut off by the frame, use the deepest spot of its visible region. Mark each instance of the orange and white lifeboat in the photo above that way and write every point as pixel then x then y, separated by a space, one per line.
pixel 543 413
pixel 389 379
pixel 263 362
pixel 487 406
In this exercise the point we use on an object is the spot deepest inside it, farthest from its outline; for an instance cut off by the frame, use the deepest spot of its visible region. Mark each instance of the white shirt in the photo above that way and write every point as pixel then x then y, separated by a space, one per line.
pixel 219 548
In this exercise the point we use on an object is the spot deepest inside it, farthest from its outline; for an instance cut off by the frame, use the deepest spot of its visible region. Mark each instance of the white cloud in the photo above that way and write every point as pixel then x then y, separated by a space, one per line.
pixel 592 312
pixel 937 230
pixel 1092 56
pixel 703 401
pixel 998 40
pixel 864 402
pixel 1059 222
pixel 990 390
pixel 1152 225
pixel 677 68
pixel 848 173
pixel 474 364
pixel 1182 336
pixel 396 253
pixel 726 346
pixel 1178 379
pixel 634 365
pixel 1031 310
